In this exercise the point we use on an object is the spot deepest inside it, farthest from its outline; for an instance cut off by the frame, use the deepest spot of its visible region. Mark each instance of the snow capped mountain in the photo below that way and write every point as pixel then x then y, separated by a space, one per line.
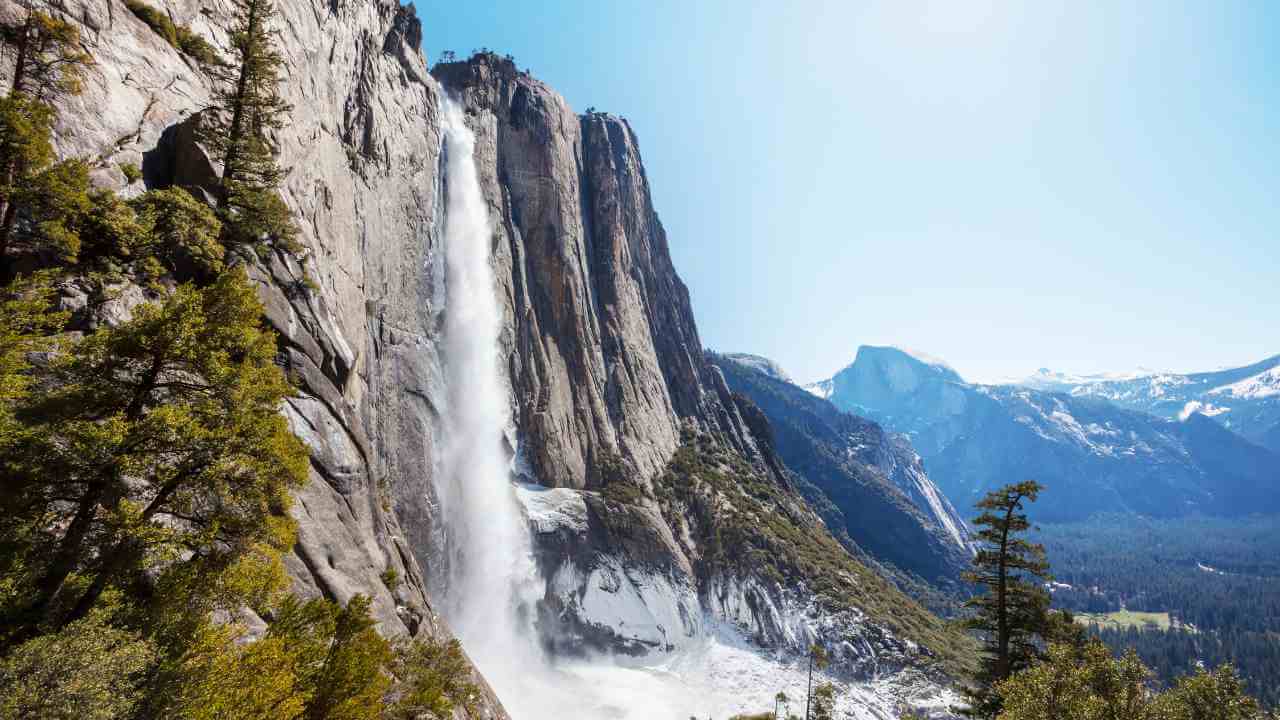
pixel 1099 445
pixel 1263 385
pixel 1246 399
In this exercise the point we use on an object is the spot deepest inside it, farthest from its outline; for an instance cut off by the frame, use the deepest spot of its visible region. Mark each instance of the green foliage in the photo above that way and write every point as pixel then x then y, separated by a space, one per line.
pixel 824 702
pixel 48 63
pixel 351 682
pixel 26 322
pixel 25 146
pixel 157 439
pixel 180 37
pixel 157 20
pixel 49 60
pixel 89 670
pixel 248 109
pixel 316 661
pixel 433 678
pixel 1088 683
pixel 1012 613
pixel 197 47
pixel 56 212
pixel 390 578
pixel 56 202
pixel 182 233
pixel 220 678
pixel 132 173
pixel 1228 615
pixel 1207 695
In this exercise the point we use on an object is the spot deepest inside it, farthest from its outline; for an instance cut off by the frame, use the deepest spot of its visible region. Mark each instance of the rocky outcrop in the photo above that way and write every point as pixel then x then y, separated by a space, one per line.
pixel 604 356
pixel 609 380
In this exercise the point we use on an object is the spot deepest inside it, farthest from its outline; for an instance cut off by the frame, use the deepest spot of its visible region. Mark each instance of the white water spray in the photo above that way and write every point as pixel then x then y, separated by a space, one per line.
pixel 492 582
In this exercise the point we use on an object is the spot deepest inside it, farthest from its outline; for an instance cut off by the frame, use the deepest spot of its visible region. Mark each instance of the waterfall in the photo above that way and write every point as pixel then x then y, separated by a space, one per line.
pixel 491 581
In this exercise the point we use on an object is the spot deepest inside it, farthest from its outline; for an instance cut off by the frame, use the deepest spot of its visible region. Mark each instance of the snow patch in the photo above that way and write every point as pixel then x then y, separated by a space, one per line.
pixel 724 674
pixel 1264 384
pixel 822 388
pixel 1206 409
pixel 551 509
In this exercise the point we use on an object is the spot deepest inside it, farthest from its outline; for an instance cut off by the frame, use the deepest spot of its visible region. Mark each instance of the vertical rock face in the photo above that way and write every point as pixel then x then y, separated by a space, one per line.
pixel 603 352
pixel 609 381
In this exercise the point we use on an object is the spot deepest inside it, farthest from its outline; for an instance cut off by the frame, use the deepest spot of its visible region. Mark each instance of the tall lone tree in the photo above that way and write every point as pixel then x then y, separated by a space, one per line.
pixel 1014 609
pixel 248 109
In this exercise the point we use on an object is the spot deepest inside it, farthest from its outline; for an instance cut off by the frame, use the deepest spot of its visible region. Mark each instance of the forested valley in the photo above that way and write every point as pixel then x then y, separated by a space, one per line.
pixel 1218 580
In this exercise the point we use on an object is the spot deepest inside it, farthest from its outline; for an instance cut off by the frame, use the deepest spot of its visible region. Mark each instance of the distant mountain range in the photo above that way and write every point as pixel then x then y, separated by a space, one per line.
pixel 1245 400
pixel 867 484
pixel 1144 445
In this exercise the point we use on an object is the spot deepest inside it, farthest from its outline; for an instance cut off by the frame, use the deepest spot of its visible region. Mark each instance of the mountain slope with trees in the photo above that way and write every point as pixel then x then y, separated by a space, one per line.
pixel 868 484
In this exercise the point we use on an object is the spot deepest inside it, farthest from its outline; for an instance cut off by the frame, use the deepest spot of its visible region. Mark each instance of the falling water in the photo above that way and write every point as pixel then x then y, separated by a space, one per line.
pixel 491 578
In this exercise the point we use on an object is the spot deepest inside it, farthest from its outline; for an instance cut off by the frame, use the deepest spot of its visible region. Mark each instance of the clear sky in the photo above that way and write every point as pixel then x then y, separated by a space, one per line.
pixel 1085 186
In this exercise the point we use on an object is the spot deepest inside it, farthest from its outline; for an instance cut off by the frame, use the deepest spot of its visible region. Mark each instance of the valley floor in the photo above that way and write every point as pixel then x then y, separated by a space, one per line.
pixel 1180 591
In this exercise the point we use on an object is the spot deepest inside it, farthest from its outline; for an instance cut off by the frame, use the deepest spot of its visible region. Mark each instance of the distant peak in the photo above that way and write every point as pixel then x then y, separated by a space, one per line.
pixel 872 354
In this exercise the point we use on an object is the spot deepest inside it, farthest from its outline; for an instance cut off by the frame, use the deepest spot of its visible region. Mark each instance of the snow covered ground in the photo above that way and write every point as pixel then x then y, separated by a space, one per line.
pixel 723 675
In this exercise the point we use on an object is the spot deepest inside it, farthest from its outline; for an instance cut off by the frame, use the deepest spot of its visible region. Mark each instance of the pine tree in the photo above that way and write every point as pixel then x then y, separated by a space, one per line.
pixel 433 679
pixel 48 63
pixel 90 670
pixel 248 110
pixel 1012 613
pixel 155 444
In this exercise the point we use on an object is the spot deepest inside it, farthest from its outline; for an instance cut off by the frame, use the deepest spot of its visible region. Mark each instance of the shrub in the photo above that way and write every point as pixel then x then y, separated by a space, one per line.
pixel 181 37
pixel 391 578
pixel 131 172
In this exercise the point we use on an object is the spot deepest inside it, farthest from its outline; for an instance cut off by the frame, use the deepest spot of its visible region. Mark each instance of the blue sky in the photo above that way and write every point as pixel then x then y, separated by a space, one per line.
pixel 1083 186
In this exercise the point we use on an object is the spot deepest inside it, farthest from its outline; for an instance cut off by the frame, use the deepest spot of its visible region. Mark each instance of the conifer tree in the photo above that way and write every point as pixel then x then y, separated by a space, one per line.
pixel 1012 612
pixel 155 442
pixel 248 110
pixel 48 63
